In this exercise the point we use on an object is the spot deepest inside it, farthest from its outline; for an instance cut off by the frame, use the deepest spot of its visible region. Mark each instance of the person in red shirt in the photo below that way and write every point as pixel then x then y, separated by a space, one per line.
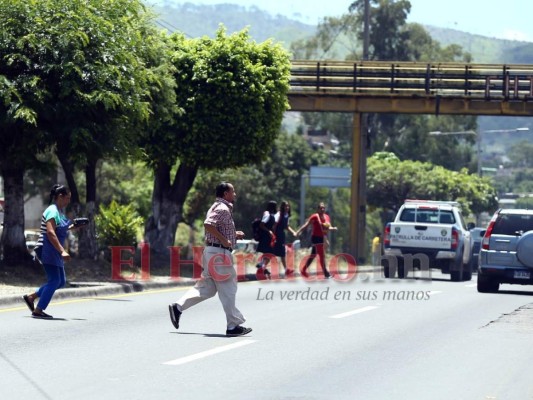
pixel 321 225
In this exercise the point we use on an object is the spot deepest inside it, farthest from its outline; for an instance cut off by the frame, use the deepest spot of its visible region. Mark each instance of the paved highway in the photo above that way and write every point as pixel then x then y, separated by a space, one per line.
pixel 367 339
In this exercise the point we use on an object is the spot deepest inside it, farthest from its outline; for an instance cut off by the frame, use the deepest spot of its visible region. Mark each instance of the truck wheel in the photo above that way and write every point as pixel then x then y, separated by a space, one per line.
pixel 402 273
pixel 486 284
pixel 388 272
pixel 456 270
pixel 444 266
pixel 455 276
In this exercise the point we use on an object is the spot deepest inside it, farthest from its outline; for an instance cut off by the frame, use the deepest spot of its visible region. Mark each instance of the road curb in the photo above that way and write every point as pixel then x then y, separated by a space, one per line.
pixel 95 289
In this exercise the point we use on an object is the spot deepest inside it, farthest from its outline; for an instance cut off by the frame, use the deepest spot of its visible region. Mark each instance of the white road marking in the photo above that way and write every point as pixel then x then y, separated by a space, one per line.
pixel 431 293
pixel 208 353
pixel 359 310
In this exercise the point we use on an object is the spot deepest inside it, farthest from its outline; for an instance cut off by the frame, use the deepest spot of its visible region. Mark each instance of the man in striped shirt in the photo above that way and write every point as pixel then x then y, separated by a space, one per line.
pixel 218 273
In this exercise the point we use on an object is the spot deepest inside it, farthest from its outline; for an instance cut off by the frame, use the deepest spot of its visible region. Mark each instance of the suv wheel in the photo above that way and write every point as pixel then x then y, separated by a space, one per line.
pixel 486 284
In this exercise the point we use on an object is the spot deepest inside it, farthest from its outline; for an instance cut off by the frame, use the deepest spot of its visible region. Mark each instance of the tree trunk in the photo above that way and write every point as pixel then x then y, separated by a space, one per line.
pixel 13 241
pixel 167 207
pixel 68 168
pixel 87 245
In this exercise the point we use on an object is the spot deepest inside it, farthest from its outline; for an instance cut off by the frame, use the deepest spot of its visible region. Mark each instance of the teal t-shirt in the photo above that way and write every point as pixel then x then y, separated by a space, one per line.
pixel 49 253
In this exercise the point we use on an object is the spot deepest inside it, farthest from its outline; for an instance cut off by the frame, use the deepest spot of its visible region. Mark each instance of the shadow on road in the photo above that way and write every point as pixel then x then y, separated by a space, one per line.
pixel 104 299
pixel 210 335
pixel 516 292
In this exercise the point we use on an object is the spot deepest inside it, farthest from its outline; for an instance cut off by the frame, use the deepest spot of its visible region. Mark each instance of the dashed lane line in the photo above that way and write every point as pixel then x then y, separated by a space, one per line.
pixel 353 312
pixel 207 353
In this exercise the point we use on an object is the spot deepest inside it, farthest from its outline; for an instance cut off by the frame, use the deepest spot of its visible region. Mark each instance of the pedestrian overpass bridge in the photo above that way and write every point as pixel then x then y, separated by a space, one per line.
pixel 406 88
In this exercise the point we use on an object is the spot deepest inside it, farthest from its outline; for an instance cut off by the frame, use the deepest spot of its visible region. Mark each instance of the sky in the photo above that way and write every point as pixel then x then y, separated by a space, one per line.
pixel 509 19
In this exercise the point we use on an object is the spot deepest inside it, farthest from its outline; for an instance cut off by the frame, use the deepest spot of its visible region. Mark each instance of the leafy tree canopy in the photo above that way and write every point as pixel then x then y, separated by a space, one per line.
pixel 391 181
pixel 233 93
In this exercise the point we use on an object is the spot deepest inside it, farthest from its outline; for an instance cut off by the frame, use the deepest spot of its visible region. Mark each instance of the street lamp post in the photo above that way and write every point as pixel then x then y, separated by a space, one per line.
pixel 478 140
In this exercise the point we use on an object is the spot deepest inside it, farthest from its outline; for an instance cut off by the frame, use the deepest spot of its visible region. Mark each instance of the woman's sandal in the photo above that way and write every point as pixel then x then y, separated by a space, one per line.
pixel 41 315
pixel 28 302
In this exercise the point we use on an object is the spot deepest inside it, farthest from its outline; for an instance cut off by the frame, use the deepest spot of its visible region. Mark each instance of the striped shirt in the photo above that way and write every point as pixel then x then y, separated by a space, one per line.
pixel 220 215
pixel 42 229
pixel 42 232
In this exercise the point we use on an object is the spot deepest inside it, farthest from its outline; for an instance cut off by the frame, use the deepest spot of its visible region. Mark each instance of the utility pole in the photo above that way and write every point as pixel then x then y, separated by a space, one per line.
pixel 366 30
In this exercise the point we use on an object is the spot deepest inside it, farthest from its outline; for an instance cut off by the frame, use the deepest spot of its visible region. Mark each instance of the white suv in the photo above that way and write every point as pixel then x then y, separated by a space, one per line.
pixel 506 254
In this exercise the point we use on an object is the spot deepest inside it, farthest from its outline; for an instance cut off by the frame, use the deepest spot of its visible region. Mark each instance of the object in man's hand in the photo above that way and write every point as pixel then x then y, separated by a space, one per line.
pixel 326 226
pixel 273 240
pixel 81 221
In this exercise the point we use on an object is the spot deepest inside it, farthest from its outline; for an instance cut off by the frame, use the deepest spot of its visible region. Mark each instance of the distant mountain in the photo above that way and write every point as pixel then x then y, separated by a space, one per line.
pixel 485 49
pixel 198 20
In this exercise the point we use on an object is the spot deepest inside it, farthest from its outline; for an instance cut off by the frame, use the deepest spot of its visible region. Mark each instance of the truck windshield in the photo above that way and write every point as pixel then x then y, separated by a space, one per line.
pixel 428 216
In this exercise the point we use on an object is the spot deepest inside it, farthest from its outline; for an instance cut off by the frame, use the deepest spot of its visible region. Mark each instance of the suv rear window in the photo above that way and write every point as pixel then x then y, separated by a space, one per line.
pixel 428 216
pixel 512 224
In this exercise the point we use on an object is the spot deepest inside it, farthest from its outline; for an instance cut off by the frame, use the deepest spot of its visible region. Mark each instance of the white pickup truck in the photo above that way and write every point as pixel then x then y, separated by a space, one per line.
pixel 428 234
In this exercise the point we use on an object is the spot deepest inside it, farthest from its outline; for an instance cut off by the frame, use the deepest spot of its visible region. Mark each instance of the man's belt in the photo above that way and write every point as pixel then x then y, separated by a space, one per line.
pixel 220 246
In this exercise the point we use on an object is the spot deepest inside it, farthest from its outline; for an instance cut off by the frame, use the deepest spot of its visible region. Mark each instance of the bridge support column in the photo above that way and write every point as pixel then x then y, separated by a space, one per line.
pixel 358 188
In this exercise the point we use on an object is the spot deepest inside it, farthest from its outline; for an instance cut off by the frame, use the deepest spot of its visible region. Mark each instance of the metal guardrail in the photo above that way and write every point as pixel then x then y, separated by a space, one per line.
pixel 455 80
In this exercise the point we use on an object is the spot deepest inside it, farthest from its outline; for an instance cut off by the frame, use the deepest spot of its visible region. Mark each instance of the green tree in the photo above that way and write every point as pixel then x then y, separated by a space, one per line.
pixel 521 154
pixel 20 136
pixel 233 92
pixel 276 178
pixel 391 181
pixel 88 70
pixel 391 38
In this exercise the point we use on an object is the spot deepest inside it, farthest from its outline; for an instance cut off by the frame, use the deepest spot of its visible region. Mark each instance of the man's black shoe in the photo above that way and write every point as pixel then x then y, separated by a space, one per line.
pixel 175 315
pixel 238 331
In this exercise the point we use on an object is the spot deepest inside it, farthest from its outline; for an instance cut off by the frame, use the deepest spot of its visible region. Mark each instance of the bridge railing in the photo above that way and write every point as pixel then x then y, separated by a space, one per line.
pixel 486 81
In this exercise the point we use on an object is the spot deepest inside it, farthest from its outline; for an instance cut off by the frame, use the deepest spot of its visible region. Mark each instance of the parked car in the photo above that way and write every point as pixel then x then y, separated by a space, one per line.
pixel 246 245
pixel 32 236
pixel 506 254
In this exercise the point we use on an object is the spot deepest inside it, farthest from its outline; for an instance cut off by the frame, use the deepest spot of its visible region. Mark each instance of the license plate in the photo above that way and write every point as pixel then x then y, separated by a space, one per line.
pixel 522 274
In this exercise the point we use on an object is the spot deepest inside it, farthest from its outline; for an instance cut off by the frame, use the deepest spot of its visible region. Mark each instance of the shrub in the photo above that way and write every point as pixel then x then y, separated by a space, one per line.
pixel 117 225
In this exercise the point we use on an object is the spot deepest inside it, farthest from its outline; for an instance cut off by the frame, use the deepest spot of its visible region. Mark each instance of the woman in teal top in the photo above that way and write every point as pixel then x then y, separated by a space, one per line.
pixel 50 250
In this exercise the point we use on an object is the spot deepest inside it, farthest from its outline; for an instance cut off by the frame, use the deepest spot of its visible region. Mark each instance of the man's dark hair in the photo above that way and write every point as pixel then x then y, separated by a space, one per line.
pixel 222 188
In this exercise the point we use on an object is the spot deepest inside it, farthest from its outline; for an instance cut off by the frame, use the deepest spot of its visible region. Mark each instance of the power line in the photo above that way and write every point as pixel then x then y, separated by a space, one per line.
pixel 172 28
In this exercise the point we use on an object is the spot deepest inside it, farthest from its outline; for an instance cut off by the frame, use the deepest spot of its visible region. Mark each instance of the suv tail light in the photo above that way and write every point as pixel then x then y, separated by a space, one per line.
pixel 386 236
pixel 486 239
pixel 455 238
